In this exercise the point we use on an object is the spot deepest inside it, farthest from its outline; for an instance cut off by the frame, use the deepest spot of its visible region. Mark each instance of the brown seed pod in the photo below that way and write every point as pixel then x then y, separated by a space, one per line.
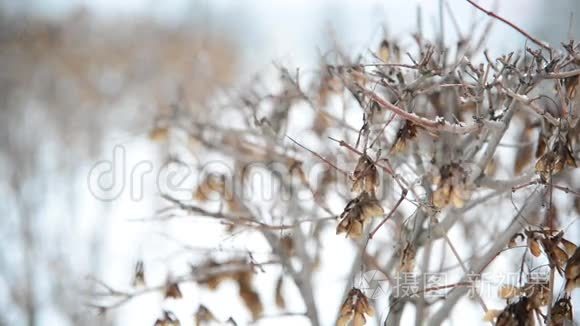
pixel 295 167
pixel 568 246
pixel 547 165
pixel 491 167
pixel 203 315
pixel 538 293
pixel 405 134
pixel 366 175
pixel 384 52
pixel 211 184
pixel 355 214
pixel 571 85
pixel 172 290
pixel 251 300
pixel 168 319
pixel 213 280
pixel 491 315
pixel 554 161
pixel 354 308
pixel 280 301
pixel 451 187
pixel 556 255
pixel 533 243
pixel 357 73
pixel 564 148
pixel 562 311
pixel 516 314
pixel 139 275
pixel 542 145
pixel 572 271
pixel 287 245
pixel 159 134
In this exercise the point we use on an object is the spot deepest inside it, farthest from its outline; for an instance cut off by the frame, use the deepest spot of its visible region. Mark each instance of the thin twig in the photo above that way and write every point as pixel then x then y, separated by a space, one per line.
pixel 512 25
pixel 346 174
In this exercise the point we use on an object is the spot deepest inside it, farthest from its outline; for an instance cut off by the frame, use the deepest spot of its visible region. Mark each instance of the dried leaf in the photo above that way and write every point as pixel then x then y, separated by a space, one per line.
pixel 356 212
pixel 344 319
pixel 564 148
pixel 358 75
pixel 287 245
pixel 406 133
pixel 562 311
pixel 244 278
pixel 384 51
pixel 441 195
pixel 451 187
pixel 538 292
pixel 571 84
pixel 234 204
pixel 554 161
pixel 542 145
pixel 248 295
pixel 139 275
pixel 516 314
pixel 457 198
pixel 371 209
pixel 203 315
pixel 356 229
pixel 491 314
pixel 168 319
pixel 159 134
pixel 295 167
pixel 556 255
pixel 569 247
pixel 355 307
pixel 280 302
pixel 366 175
pixel 572 271
pixel 214 280
pixel 534 247
pixel 211 184
pixel 370 311
pixel 491 167
pixel 358 319
pixel 172 291
pixel 546 165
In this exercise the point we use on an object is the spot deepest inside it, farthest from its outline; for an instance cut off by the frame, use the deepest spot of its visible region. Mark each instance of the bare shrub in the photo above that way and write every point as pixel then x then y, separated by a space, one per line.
pixel 436 160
